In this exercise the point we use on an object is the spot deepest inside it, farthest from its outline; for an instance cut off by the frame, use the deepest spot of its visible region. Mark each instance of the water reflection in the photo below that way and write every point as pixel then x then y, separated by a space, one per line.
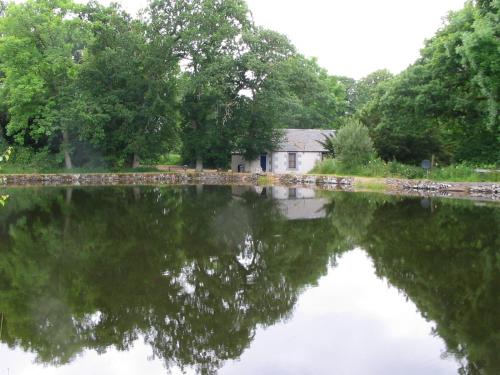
pixel 294 203
pixel 194 271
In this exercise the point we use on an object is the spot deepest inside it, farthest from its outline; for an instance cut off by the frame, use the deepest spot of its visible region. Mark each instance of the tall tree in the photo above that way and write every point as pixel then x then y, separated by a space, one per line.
pixel 208 40
pixel 367 87
pixel 447 102
pixel 300 94
pixel 41 43
pixel 234 76
pixel 127 89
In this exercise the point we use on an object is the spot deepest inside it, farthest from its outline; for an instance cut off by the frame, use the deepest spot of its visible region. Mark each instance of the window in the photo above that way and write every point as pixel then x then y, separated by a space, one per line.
pixel 292 193
pixel 292 160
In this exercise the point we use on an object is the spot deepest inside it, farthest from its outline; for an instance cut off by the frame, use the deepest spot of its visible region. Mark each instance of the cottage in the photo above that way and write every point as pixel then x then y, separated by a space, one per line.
pixel 299 151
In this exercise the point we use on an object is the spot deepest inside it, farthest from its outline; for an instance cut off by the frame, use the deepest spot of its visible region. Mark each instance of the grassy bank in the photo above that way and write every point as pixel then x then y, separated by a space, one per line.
pixel 379 168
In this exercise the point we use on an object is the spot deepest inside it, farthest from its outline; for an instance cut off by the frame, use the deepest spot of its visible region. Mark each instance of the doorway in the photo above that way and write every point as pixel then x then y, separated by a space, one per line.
pixel 263 162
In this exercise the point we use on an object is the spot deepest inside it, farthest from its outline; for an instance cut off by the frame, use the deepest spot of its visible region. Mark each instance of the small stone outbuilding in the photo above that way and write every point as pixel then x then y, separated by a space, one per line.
pixel 299 152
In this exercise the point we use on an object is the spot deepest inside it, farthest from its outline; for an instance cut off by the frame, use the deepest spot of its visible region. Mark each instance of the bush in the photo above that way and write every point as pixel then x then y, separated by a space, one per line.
pixel 170 159
pixel 396 169
pixel 25 159
pixel 327 166
pixel 353 145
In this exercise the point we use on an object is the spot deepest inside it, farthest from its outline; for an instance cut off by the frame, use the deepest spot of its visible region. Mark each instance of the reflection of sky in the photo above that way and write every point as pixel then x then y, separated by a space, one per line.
pixel 352 323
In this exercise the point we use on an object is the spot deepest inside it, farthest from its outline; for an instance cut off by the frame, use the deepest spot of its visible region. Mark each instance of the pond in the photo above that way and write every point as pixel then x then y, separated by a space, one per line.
pixel 246 280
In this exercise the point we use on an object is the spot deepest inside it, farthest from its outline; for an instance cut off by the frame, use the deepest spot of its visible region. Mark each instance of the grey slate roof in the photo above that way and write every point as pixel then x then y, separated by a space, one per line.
pixel 300 140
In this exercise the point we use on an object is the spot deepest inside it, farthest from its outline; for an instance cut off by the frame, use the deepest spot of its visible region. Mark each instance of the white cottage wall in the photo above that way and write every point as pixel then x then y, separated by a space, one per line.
pixel 252 166
pixel 277 162
pixel 305 162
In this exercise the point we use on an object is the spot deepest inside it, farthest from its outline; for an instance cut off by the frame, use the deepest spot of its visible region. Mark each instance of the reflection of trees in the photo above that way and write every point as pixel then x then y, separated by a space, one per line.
pixel 447 260
pixel 194 274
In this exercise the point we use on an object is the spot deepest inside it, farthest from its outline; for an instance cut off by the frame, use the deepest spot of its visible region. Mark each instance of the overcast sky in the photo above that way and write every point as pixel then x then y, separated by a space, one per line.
pixel 350 37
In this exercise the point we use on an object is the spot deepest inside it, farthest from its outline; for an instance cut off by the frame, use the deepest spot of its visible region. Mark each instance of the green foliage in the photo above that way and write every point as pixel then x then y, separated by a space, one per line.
pixel 94 87
pixel 240 84
pixel 299 94
pixel 329 144
pixel 373 168
pixel 41 45
pixel 27 160
pixel 170 159
pixel 353 145
pixel 128 90
pixel 326 166
pixel 446 104
pixel 207 35
pixel 368 87
pixel 3 158
pixel 462 172
pixel 379 168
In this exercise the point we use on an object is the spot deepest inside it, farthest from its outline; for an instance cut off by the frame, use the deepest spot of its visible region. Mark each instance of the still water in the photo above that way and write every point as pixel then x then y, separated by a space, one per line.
pixel 236 280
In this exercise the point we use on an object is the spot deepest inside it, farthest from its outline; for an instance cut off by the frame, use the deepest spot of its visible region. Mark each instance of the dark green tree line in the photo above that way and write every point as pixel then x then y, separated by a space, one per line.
pixel 445 104
pixel 90 84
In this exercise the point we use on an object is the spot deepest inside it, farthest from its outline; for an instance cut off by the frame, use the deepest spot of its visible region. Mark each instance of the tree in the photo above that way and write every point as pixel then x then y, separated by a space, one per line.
pixel 300 94
pixel 329 145
pixel 295 93
pixel 446 103
pixel 41 43
pixel 127 89
pixel 480 54
pixel 353 145
pixel 366 88
pixel 241 83
pixel 207 39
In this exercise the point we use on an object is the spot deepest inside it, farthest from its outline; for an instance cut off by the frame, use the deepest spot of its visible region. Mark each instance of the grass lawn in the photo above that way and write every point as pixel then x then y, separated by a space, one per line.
pixel 381 169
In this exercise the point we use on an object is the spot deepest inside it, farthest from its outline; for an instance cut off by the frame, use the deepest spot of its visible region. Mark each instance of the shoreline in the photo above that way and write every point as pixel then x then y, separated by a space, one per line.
pixel 473 190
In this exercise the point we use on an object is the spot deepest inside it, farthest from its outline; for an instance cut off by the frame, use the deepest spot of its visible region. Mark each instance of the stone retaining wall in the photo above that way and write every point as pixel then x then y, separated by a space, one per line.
pixel 289 179
pixel 432 186
pixel 215 178
pixel 124 179
pixel 227 178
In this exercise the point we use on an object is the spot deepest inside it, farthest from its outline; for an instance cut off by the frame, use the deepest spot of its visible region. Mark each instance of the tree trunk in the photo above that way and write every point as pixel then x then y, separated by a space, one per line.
pixel 67 216
pixel 199 164
pixel 137 193
pixel 65 147
pixel 69 195
pixel 136 163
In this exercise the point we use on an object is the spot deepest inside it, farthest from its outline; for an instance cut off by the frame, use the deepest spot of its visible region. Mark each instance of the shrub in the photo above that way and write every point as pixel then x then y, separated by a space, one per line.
pixel 327 166
pixel 397 169
pixel 353 145
pixel 25 159
pixel 170 159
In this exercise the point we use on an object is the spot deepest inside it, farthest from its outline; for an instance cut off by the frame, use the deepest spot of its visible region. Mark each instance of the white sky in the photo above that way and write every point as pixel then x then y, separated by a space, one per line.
pixel 350 37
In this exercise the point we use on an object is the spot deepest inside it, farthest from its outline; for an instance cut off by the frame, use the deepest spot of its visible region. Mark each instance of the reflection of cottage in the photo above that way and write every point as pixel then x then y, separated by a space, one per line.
pixel 294 203
pixel 300 150
pixel 299 203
